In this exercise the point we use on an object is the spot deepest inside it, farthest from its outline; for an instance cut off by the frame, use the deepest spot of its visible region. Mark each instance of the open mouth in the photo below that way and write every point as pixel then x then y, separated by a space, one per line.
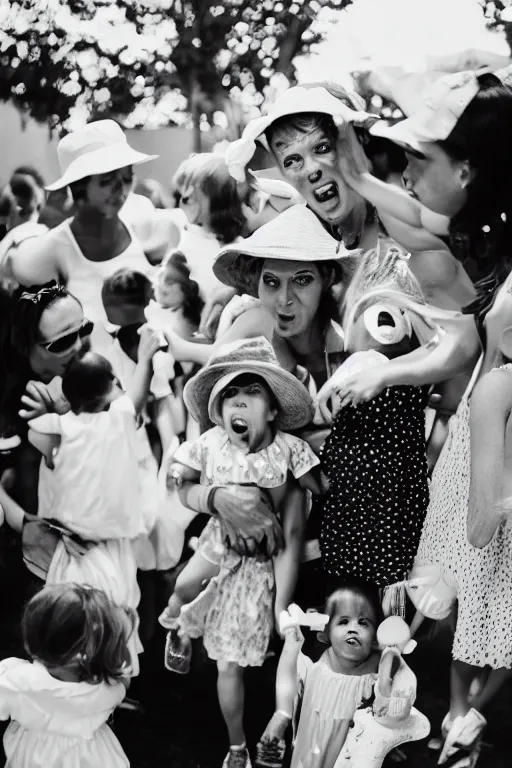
pixel 353 641
pixel 326 192
pixel 284 318
pixel 239 425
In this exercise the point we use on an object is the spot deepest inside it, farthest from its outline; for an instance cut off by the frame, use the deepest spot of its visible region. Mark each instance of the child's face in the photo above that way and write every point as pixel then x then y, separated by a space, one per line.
pixel 168 292
pixel 380 328
pixel 353 629
pixel 247 412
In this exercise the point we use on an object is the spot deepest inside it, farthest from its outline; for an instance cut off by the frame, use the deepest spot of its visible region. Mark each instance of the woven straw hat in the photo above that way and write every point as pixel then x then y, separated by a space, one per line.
pixel 257 356
pixel 99 147
pixel 294 235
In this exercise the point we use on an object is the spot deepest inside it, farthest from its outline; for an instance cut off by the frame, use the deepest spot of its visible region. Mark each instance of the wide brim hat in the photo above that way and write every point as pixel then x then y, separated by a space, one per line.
pixel 294 235
pixel 294 101
pixel 99 147
pixel 254 356
pixel 442 105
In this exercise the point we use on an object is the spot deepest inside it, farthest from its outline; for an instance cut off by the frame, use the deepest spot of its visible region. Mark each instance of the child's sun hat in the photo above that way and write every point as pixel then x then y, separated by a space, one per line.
pixel 294 235
pixel 99 147
pixel 256 356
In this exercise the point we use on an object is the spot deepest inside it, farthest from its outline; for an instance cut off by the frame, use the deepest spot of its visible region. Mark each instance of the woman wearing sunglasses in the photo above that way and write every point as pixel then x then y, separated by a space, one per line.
pixel 96 164
pixel 42 332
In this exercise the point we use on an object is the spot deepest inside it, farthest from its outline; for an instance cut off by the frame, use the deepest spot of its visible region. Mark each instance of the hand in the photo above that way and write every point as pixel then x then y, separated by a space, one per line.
pixel 174 479
pixel 247 519
pixel 37 401
pixel 213 309
pixel 352 160
pixel 149 344
pixel 276 729
pixel 353 389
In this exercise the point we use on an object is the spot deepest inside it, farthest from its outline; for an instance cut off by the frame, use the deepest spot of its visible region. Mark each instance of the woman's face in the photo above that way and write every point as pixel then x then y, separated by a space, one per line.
pixel 108 192
pixel 196 206
pixel 292 292
pixel 308 161
pixel 435 179
pixel 61 324
pixel 169 292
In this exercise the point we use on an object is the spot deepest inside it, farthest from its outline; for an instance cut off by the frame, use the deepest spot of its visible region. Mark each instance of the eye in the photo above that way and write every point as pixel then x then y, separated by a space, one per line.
pixel 230 392
pixel 291 161
pixel 270 281
pixel 323 148
pixel 254 389
pixel 342 622
pixel 303 280
pixel 364 622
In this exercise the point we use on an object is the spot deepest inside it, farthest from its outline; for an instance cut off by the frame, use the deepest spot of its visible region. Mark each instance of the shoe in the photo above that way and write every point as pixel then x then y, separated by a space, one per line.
pixel 237 757
pixel 270 753
pixel 178 652
pixel 436 744
pixel 368 742
pixel 463 740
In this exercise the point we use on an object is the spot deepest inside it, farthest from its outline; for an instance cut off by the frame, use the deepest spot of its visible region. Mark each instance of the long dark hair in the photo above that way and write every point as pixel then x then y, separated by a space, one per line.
pixel 481 232
pixel 20 315
pixel 177 268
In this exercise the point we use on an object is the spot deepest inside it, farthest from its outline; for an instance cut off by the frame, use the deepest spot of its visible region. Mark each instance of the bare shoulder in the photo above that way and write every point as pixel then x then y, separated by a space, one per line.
pixel 494 391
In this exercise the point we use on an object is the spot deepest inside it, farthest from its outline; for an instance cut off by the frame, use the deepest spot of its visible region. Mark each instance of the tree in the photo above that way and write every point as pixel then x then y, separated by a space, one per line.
pixel 112 56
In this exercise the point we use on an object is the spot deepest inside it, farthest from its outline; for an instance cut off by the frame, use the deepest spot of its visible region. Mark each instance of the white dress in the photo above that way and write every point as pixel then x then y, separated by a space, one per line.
pixel 96 491
pixel 55 724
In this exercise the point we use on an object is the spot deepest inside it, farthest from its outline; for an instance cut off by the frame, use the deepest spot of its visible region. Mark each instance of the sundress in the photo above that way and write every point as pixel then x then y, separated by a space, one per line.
pixel 482 577
pixel 234 614
pixel 374 460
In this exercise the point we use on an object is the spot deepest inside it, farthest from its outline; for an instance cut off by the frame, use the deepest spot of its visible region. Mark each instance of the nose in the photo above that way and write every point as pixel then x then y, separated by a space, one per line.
pixel 285 297
pixel 240 401
pixel 314 176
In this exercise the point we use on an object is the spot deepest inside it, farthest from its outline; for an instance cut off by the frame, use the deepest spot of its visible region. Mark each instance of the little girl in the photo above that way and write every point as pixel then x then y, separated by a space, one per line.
pixel 60 701
pixel 178 303
pixel 254 403
pixel 95 491
pixel 322 697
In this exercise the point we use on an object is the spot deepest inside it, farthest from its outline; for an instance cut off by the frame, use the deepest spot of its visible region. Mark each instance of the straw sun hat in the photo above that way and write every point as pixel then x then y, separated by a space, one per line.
pixel 99 147
pixel 257 356
pixel 294 235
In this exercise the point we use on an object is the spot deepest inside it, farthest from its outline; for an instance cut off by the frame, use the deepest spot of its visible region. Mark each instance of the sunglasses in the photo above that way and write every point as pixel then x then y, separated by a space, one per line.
pixel 69 340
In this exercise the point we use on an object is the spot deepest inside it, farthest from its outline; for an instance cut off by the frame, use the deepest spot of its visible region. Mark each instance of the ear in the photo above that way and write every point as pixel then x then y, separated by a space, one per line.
pixel 272 414
pixel 466 174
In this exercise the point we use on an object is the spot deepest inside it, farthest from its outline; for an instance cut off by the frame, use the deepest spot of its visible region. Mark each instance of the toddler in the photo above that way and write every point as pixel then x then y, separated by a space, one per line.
pixel 59 701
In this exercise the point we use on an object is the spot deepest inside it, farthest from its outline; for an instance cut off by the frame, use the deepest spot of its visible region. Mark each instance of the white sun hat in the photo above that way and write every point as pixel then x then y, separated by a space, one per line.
pixel 294 235
pixel 442 105
pixel 99 147
pixel 293 101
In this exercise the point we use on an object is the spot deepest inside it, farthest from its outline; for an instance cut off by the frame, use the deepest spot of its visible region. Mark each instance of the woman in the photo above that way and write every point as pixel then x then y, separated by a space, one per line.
pixel 42 333
pixel 96 163
pixel 461 168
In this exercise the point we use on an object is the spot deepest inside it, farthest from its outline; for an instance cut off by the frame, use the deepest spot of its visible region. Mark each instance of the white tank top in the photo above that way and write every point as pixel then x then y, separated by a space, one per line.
pixel 85 278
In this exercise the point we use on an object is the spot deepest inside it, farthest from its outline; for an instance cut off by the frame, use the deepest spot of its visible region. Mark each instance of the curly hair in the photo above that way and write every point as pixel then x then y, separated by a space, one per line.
pixel 176 270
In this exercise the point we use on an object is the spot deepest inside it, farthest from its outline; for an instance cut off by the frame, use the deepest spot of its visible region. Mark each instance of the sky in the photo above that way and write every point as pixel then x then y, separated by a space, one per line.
pixel 396 32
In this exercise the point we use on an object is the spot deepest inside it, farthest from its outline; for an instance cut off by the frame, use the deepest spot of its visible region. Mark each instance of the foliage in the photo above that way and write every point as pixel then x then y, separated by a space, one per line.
pixel 113 56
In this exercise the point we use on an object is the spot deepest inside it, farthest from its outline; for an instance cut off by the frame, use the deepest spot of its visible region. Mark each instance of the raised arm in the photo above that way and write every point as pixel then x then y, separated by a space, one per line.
pixel 139 388
pixel 491 405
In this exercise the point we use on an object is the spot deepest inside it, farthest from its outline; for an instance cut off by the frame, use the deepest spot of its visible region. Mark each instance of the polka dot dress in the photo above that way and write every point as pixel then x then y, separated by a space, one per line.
pixel 375 462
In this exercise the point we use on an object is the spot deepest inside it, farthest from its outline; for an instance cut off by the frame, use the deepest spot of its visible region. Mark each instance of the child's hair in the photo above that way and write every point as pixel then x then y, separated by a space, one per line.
pixel 368 592
pixel 176 270
pixel 129 287
pixel 71 624
pixel 209 173
pixel 87 381
pixel 245 380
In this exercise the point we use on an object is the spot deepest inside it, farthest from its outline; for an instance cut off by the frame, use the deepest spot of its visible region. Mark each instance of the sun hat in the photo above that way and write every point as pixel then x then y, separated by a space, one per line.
pixel 99 147
pixel 442 105
pixel 294 101
pixel 257 356
pixel 294 235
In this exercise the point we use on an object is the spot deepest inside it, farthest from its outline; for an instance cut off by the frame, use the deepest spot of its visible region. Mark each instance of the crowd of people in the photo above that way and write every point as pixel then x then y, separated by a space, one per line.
pixel 266 406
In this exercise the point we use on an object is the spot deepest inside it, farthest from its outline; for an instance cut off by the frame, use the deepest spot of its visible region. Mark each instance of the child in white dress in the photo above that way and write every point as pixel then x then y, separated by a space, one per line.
pixel 253 402
pixel 60 701
pixel 96 490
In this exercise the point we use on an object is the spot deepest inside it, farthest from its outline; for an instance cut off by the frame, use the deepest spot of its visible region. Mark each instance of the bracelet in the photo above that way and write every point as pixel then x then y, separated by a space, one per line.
pixel 283 713
pixel 210 502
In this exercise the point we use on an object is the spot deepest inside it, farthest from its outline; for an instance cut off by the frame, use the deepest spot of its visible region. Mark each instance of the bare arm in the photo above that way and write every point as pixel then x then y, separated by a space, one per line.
pixel 139 387
pixel 412 238
pixel 491 405
pixel 286 685
pixel 286 563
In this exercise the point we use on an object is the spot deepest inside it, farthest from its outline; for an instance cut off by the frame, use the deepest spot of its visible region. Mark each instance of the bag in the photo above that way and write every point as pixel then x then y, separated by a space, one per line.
pixel 39 539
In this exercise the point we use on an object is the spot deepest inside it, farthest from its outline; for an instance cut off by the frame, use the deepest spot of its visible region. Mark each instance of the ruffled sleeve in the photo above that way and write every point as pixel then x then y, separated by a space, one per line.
pixel 302 459
pixel 191 454
pixel 8 685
